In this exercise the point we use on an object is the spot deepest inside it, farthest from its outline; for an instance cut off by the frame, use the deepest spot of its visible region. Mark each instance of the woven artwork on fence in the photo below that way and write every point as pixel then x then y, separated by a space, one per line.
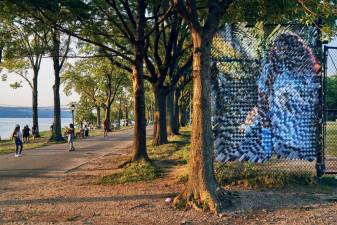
pixel 265 84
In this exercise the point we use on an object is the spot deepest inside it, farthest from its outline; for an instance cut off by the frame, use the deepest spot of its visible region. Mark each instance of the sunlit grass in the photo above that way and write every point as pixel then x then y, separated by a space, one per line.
pixel 249 175
pixel 175 151
pixel 134 172
pixel 331 139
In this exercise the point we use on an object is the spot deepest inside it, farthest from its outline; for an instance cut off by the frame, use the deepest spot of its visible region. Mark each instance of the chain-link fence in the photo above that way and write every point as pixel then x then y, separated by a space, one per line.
pixel 267 96
pixel 330 109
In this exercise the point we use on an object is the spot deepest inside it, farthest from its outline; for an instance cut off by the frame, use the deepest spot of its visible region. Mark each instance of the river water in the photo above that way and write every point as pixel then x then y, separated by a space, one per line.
pixel 7 124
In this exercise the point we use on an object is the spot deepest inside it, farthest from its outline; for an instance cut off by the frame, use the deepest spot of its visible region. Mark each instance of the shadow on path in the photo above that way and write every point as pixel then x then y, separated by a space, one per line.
pixel 60 200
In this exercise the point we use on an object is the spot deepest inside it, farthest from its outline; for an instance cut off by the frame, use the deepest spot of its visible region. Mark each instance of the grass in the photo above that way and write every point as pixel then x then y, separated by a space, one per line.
pixel 331 139
pixel 245 175
pixel 248 175
pixel 163 157
pixel 176 149
pixel 134 172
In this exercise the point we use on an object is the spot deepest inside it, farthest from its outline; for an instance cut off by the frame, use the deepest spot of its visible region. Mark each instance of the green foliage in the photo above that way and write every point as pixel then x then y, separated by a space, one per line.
pixel 284 11
pixel 141 171
pixel 331 92
pixel 16 85
pixel 84 112
pixel 99 83
pixel 90 78
pixel 17 67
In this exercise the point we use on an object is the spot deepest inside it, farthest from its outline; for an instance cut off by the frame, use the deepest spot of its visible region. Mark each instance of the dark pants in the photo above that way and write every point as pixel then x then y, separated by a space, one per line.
pixel 19 146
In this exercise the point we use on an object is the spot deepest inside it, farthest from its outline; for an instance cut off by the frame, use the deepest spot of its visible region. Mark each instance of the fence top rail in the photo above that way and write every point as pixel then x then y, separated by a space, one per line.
pixel 330 47
pixel 330 110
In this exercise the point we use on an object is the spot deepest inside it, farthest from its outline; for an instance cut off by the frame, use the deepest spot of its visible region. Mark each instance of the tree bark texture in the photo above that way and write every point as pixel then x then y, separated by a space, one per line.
pixel 98 116
pixel 159 129
pixel 139 138
pixel 107 117
pixel 57 132
pixel 202 189
pixel 35 103
pixel 183 116
pixel 56 48
pixel 175 120
pixel 170 112
pixel 126 115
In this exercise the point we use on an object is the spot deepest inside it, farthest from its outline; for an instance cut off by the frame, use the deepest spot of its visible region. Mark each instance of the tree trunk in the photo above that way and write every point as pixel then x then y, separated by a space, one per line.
pixel 98 116
pixel 175 120
pixel 126 116
pixel 107 117
pixel 202 189
pixel 120 113
pixel 1 52
pixel 35 103
pixel 139 138
pixel 57 131
pixel 169 113
pixel 159 128
pixel 183 115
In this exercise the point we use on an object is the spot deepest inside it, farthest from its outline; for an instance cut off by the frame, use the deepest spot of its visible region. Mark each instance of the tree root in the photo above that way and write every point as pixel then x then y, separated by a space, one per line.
pixel 130 160
pixel 123 164
pixel 216 203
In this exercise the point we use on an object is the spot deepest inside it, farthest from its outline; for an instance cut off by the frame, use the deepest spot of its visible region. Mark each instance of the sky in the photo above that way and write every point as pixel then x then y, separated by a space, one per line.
pixel 23 96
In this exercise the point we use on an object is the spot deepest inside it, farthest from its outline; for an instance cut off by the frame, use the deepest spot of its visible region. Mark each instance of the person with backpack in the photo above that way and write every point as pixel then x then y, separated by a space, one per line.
pixel 26 133
pixel 17 137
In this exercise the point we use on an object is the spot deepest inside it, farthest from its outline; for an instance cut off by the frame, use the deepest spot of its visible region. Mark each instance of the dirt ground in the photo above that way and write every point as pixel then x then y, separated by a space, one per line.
pixel 74 198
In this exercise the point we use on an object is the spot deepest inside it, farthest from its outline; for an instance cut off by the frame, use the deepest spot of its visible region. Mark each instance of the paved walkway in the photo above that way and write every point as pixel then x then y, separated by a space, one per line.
pixel 56 158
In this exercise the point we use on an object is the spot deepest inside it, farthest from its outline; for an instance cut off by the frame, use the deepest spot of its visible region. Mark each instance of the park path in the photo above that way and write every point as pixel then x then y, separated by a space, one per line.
pixel 56 158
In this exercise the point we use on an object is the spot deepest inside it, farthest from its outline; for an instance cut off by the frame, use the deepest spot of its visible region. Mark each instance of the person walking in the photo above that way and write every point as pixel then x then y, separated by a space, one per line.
pixel 71 135
pixel 17 137
pixel 105 127
pixel 86 131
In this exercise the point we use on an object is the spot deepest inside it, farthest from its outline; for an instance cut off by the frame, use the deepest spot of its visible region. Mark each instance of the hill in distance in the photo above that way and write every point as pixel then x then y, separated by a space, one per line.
pixel 26 112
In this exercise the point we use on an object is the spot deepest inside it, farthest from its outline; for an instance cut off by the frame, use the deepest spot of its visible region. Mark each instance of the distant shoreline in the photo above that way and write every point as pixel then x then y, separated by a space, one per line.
pixel 26 112
pixel 29 117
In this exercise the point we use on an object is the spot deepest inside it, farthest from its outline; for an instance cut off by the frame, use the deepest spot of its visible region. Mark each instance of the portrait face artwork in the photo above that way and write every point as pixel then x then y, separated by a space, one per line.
pixel 273 112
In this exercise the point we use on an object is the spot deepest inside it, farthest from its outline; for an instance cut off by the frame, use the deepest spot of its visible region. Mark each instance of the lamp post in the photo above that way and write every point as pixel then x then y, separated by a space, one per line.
pixel 72 107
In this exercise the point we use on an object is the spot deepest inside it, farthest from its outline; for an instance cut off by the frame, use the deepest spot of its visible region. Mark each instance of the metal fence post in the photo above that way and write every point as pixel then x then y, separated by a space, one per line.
pixel 320 164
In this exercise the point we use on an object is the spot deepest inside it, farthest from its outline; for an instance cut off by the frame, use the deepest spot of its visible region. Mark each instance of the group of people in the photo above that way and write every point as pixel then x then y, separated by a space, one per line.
pixel 84 132
pixel 19 137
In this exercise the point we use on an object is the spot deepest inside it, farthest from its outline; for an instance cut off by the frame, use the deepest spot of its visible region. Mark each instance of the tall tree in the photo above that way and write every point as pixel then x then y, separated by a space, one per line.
pixel 27 41
pixel 166 62
pixel 59 48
